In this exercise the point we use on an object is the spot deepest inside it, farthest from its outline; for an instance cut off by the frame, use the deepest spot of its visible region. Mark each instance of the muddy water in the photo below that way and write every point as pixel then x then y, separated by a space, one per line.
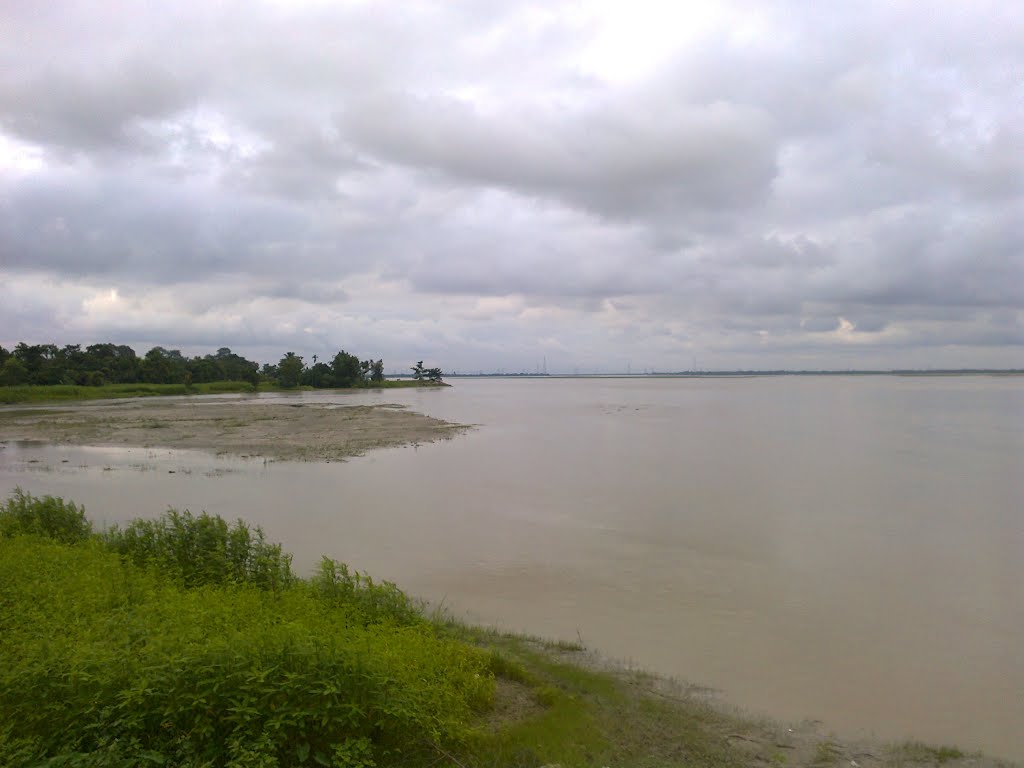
pixel 846 549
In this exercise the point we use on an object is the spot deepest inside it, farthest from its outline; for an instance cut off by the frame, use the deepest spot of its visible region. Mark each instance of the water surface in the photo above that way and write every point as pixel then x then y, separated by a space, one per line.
pixel 840 548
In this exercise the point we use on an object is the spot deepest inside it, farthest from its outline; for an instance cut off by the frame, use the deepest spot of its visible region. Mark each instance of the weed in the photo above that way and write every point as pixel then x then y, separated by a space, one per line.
pixel 158 643
pixel 49 517
pixel 202 549
pixel 914 752
pixel 68 392
pixel 826 752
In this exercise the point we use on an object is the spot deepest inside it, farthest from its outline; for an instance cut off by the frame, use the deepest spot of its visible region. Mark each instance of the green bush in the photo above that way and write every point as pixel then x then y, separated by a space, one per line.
pixel 50 517
pixel 104 662
pixel 372 602
pixel 203 549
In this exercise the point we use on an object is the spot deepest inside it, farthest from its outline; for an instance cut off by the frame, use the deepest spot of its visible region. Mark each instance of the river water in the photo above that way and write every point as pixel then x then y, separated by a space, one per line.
pixel 849 549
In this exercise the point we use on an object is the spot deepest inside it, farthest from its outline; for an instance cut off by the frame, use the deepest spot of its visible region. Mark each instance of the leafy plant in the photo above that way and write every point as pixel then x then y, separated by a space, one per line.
pixel 374 602
pixel 186 640
pixel 203 549
pixel 48 516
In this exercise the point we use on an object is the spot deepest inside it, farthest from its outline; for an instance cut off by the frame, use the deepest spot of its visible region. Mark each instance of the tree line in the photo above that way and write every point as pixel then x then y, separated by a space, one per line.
pixel 100 364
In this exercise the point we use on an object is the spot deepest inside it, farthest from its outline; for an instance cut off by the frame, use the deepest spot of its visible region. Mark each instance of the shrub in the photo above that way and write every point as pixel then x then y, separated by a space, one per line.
pixel 372 602
pixel 103 662
pixel 203 549
pixel 50 517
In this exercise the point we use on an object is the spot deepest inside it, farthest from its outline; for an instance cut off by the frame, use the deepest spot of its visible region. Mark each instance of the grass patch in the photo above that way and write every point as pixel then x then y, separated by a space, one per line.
pixel 162 644
pixel 69 392
pixel 826 752
pixel 916 753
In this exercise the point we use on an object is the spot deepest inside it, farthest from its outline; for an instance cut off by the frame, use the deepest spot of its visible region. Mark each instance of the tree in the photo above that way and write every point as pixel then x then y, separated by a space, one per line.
pixel 112 364
pixel 377 371
pixel 289 370
pixel 432 375
pixel 346 369
pixel 319 376
pixel 33 358
pixel 13 372
pixel 164 366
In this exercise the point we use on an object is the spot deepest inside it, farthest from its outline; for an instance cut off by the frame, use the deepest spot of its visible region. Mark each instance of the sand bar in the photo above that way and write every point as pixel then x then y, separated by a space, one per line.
pixel 289 432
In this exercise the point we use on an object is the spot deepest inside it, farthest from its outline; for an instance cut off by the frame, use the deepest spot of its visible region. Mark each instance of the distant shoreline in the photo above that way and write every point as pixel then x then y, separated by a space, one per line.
pixel 743 374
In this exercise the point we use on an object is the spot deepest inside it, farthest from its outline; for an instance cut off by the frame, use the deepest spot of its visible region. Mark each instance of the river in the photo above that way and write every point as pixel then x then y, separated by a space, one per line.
pixel 849 549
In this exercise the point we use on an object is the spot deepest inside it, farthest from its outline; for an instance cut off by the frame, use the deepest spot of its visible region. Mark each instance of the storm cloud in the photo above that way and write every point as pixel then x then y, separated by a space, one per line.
pixel 481 184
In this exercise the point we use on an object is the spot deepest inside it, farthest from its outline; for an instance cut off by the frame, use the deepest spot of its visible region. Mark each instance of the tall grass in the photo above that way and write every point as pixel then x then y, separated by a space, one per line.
pixel 69 392
pixel 48 517
pixel 187 641
pixel 200 550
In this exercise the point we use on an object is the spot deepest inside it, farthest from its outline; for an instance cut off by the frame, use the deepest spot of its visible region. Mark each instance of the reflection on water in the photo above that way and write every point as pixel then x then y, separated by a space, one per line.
pixel 846 549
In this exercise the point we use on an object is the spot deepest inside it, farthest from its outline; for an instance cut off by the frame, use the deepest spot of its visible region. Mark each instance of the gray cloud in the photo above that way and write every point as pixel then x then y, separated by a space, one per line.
pixel 769 184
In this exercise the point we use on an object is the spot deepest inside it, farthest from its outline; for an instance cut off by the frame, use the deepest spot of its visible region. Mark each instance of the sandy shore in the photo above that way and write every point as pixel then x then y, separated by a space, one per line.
pixel 291 432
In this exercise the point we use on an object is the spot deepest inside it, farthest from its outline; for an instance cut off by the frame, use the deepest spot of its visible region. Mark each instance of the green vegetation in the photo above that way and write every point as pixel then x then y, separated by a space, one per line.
pixel 344 371
pixel 48 517
pixel 49 372
pixel 100 364
pixel 425 374
pixel 166 643
pixel 70 392
pixel 188 641
pixel 826 752
pixel 916 753
pixel 201 550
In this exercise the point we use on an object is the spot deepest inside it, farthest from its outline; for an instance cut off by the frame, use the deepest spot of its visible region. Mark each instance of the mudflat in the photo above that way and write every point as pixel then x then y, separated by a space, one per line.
pixel 289 432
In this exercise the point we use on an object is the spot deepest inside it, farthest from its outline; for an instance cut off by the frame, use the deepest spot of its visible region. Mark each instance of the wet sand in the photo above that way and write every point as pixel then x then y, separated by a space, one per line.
pixel 289 432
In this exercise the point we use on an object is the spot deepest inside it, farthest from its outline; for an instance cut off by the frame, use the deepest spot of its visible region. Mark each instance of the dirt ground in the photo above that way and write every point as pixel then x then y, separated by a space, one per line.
pixel 299 432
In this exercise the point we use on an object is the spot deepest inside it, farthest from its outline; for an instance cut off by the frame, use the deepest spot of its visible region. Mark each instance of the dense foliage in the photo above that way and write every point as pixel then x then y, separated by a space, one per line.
pixel 99 364
pixel 104 364
pixel 344 370
pixel 186 641
pixel 202 550
pixel 48 517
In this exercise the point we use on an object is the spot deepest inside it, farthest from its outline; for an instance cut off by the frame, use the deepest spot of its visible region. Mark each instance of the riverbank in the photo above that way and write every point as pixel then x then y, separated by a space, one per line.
pixel 227 657
pixel 562 704
pixel 296 432
pixel 605 717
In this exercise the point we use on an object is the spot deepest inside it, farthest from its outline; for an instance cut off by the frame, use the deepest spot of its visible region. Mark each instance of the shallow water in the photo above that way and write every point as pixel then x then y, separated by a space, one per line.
pixel 849 549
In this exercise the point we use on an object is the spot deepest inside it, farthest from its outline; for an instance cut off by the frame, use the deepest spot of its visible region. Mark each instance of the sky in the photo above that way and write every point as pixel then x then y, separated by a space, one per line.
pixel 590 186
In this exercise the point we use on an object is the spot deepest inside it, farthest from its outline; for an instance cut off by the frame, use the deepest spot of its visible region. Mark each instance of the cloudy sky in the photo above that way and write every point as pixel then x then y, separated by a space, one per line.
pixel 490 184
